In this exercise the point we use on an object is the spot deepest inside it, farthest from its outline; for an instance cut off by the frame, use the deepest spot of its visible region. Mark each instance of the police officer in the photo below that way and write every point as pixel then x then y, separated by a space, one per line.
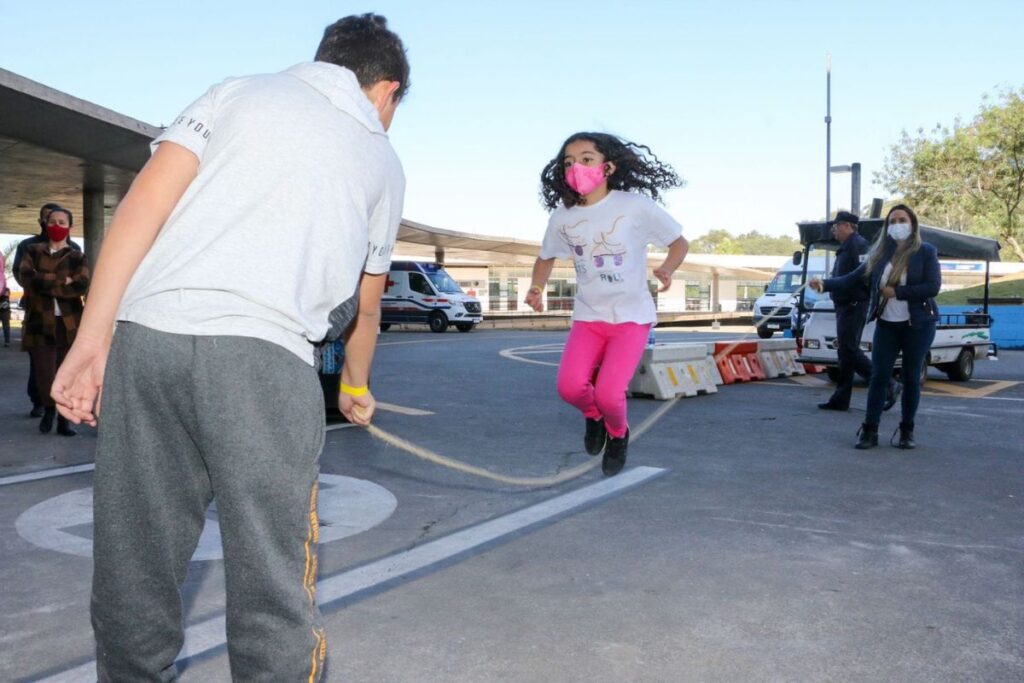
pixel 851 311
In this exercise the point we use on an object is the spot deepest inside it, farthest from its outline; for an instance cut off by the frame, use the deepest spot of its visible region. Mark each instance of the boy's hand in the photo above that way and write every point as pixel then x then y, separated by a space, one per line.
pixel 78 386
pixel 357 409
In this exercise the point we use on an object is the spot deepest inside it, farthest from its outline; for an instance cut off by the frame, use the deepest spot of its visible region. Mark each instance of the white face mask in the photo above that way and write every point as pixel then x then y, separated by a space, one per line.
pixel 899 231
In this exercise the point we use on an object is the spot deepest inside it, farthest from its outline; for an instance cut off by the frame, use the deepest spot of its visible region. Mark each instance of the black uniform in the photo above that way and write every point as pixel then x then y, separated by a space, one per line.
pixel 851 312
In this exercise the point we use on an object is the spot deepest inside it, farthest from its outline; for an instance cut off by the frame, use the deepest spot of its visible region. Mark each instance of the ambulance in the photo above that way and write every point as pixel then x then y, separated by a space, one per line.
pixel 425 293
pixel 776 309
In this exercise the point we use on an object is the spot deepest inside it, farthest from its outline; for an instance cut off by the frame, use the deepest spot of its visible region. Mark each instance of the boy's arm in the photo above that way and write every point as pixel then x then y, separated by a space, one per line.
pixel 153 195
pixel 359 347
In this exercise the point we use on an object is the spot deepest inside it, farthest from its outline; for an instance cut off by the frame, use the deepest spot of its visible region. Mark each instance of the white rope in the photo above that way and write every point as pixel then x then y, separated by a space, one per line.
pixel 538 482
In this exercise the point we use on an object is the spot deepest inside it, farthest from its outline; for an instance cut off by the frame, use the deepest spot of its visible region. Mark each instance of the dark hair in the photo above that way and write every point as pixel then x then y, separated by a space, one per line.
pixel 364 45
pixel 61 209
pixel 636 168
pixel 49 206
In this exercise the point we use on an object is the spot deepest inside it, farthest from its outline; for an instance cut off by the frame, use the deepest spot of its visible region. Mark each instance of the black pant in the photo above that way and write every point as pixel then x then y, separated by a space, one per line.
pixel 849 326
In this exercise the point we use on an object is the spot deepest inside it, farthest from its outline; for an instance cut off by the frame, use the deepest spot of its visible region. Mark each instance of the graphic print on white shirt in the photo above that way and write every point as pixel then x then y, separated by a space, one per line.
pixel 607 243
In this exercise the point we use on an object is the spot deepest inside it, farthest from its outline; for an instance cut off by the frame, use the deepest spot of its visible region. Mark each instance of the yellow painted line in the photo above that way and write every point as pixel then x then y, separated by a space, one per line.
pixel 944 389
pixel 693 374
pixel 672 376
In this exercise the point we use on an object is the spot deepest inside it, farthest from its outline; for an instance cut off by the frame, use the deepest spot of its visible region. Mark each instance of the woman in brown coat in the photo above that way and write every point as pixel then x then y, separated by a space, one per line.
pixel 55 277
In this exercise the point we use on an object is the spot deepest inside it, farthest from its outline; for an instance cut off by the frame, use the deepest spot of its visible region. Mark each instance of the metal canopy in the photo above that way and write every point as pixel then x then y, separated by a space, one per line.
pixel 955 245
pixel 54 147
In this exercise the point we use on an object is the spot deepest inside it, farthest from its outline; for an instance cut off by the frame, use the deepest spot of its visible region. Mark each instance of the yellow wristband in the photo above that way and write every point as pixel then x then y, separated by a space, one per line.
pixel 536 288
pixel 353 391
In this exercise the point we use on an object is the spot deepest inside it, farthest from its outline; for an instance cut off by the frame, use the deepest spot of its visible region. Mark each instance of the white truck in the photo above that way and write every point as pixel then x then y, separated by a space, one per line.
pixel 960 339
pixel 418 292
pixel 774 311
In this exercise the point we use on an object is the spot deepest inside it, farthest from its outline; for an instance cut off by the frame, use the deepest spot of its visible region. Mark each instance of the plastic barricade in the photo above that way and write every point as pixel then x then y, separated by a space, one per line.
pixel 669 370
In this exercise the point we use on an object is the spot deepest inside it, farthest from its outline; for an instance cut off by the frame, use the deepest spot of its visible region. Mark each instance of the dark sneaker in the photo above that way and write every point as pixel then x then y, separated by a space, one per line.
pixel 892 394
pixel 615 455
pixel 595 437
pixel 829 405
pixel 37 411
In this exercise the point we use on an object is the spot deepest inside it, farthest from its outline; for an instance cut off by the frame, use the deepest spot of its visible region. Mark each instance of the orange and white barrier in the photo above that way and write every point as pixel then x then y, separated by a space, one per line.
pixel 778 356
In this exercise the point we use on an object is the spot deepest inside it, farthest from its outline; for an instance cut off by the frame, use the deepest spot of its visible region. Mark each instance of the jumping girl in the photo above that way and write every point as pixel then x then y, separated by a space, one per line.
pixel 604 225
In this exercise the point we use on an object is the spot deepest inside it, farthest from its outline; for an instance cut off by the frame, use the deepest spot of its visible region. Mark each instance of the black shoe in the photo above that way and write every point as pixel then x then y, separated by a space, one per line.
pixel 868 436
pixel 46 423
pixel 906 430
pixel 892 395
pixel 615 455
pixel 64 427
pixel 37 411
pixel 595 436
pixel 829 405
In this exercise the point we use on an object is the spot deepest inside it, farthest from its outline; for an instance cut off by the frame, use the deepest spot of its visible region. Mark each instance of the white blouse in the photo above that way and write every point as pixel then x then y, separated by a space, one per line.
pixel 896 310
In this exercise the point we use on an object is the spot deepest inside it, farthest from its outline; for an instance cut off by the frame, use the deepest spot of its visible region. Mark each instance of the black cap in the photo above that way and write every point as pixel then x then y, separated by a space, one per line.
pixel 845 217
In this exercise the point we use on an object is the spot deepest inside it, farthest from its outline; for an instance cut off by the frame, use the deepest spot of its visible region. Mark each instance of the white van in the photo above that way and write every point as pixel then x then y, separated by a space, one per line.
pixel 781 294
pixel 424 293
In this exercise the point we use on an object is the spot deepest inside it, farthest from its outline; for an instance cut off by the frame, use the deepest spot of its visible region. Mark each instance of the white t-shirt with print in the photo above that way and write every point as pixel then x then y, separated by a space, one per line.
pixel 607 243
pixel 298 193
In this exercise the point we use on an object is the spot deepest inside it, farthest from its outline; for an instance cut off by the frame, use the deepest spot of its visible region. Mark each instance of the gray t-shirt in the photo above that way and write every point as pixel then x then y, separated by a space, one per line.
pixel 298 193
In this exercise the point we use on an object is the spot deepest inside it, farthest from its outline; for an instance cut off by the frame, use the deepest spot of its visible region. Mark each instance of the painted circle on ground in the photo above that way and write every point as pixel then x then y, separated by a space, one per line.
pixel 346 507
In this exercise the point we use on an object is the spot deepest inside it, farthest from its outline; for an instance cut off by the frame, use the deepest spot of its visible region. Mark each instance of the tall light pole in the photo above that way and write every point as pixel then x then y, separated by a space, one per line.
pixel 828 136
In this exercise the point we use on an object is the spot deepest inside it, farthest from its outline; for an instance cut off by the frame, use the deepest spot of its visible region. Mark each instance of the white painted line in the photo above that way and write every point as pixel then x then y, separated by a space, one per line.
pixel 209 634
pixel 391 407
pixel 47 474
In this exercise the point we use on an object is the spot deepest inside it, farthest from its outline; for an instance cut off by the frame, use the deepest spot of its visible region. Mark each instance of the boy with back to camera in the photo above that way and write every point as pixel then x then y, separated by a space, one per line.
pixel 210 391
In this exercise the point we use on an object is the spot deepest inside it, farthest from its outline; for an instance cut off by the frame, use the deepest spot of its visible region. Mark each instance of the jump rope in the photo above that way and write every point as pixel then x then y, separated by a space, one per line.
pixel 564 476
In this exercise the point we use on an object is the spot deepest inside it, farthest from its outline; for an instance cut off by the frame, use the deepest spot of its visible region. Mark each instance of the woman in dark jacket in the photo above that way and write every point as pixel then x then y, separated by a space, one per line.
pixel 904 277
pixel 55 277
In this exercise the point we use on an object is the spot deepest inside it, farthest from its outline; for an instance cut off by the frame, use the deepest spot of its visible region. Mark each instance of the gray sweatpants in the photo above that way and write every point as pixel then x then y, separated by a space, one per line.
pixel 186 420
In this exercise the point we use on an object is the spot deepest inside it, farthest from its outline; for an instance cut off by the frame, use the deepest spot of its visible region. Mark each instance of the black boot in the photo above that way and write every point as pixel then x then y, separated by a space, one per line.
pixel 46 424
pixel 868 434
pixel 37 410
pixel 892 394
pixel 63 427
pixel 595 436
pixel 615 455
pixel 906 436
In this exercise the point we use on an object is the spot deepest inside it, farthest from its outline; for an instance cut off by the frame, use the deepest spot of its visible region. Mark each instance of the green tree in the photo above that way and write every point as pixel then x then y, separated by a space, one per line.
pixel 969 177
pixel 753 242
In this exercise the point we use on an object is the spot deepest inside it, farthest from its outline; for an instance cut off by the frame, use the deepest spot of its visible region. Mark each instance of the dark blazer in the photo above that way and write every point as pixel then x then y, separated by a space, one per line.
pixel 848 258
pixel 923 282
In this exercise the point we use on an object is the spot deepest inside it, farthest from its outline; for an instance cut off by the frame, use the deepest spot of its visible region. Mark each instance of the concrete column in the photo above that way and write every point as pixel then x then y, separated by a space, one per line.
pixel 439 255
pixel 93 223
pixel 716 305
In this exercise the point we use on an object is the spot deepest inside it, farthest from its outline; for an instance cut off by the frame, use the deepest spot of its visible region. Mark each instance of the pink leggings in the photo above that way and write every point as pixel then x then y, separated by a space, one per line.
pixel 617 350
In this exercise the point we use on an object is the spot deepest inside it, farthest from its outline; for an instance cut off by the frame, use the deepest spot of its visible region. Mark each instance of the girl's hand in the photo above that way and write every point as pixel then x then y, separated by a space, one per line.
pixel 534 300
pixel 815 284
pixel 357 409
pixel 664 276
pixel 889 292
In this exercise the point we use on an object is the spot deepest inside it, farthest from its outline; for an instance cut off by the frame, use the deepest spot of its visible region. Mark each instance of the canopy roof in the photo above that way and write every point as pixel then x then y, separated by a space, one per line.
pixel 956 245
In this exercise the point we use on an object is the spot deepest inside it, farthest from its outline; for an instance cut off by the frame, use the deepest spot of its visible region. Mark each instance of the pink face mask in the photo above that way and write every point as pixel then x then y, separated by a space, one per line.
pixel 584 179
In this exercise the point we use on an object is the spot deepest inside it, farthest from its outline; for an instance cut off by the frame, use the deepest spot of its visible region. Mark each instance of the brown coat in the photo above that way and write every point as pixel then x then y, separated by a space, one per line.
pixel 44 276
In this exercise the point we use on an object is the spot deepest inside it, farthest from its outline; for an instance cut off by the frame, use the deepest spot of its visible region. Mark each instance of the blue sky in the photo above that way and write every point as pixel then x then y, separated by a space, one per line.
pixel 731 93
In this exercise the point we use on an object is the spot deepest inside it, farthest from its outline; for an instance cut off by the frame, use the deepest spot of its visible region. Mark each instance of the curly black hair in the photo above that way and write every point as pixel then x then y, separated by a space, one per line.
pixel 636 168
